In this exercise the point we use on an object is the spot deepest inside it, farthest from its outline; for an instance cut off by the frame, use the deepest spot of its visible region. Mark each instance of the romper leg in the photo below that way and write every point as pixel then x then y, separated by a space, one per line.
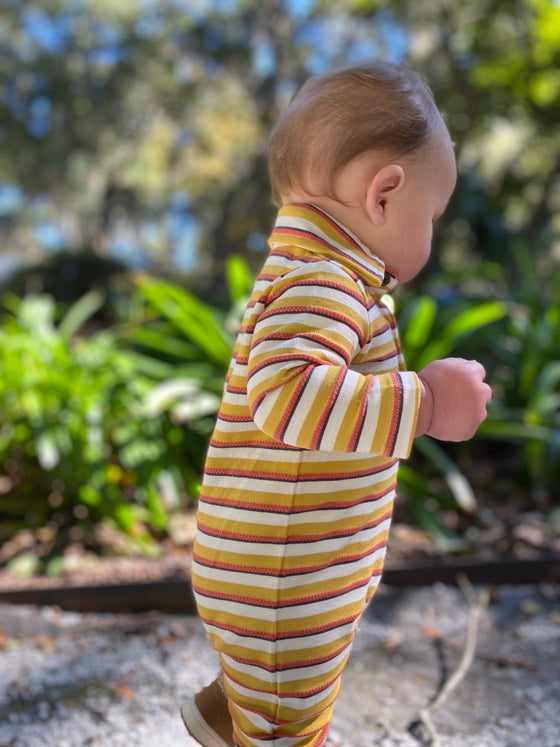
pixel 288 719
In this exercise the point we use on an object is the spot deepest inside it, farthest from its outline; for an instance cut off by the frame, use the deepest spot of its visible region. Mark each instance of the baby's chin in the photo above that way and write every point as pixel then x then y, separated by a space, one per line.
pixel 409 273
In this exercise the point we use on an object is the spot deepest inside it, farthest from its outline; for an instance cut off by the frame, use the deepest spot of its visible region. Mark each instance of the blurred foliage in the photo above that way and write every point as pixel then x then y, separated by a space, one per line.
pixel 139 129
pixel 67 276
pixel 113 426
pixel 525 366
pixel 108 427
pixel 518 341
pixel 136 132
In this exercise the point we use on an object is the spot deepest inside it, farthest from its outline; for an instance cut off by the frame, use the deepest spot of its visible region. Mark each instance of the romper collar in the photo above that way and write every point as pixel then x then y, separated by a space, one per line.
pixel 309 227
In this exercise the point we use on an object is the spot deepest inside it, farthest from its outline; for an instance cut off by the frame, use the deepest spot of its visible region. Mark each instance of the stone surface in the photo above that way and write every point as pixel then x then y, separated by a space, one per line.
pixel 72 679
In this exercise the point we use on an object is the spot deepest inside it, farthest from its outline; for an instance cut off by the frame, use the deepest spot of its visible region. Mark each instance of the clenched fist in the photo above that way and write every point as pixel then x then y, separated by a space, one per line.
pixel 454 399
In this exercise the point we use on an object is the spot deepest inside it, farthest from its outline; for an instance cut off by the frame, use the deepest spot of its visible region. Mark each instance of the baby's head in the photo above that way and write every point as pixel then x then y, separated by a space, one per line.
pixel 368 145
pixel 374 107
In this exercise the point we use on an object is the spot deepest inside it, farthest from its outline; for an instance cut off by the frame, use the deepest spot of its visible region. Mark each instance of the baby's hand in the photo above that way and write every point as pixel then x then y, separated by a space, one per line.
pixel 454 399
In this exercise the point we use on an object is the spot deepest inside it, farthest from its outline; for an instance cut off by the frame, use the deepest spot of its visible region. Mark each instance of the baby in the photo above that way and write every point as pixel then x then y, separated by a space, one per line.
pixel 318 406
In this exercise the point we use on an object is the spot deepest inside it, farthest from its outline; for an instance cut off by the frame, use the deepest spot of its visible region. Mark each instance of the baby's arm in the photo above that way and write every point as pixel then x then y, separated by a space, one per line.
pixel 304 386
pixel 453 400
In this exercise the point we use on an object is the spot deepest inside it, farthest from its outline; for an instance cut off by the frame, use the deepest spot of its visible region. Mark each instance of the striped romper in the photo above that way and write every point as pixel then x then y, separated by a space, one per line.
pixel 299 481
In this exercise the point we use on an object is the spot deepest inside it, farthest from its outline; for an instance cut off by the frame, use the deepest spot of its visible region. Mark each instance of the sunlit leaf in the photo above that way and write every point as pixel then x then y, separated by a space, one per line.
pixel 195 320
pixel 240 279
pixel 79 313
pixel 514 431
pixel 421 323
pixel 47 451
pixel 458 483
pixel 465 323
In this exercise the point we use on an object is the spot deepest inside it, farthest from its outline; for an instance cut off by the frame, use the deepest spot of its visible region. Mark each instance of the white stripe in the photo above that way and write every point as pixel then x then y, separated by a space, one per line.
pixel 263 725
pixel 269 403
pixel 289 675
pixel 273 486
pixel 270 371
pixel 249 455
pixel 406 421
pixel 255 457
pixel 304 295
pixel 376 367
pixel 300 704
pixel 301 411
pixel 283 262
pixel 371 419
pixel 235 399
pixel 233 578
pixel 379 339
pixel 320 516
pixel 309 322
pixel 335 422
pixel 337 417
pixel 239 369
pixel 252 643
pixel 295 346
pixel 309 226
pixel 244 338
pixel 269 614
pixel 231 426
pixel 334 545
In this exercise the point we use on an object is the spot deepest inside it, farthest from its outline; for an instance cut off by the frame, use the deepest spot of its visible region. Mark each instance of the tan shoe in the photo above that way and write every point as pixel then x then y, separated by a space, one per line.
pixel 207 718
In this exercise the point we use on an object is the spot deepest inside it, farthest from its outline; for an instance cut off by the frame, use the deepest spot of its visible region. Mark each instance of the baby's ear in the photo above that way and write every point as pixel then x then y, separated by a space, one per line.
pixel 383 186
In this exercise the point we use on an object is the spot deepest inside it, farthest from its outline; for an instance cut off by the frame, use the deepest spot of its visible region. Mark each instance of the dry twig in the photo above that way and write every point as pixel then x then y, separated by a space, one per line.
pixel 477 605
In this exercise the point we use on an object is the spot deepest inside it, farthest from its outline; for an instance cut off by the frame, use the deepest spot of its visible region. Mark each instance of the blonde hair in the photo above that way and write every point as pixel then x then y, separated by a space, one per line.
pixel 335 117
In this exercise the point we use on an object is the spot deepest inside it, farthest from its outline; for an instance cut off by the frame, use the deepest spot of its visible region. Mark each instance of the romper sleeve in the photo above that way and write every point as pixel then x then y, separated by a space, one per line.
pixel 302 390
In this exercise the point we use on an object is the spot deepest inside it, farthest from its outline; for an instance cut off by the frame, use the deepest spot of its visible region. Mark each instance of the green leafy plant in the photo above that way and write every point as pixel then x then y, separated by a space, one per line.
pixel 113 425
pixel 81 440
pixel 517 337
pixel 526 372
pixel 429 333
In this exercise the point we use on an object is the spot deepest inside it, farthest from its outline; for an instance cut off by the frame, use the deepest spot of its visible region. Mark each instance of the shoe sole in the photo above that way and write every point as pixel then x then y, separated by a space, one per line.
pixel 198 728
